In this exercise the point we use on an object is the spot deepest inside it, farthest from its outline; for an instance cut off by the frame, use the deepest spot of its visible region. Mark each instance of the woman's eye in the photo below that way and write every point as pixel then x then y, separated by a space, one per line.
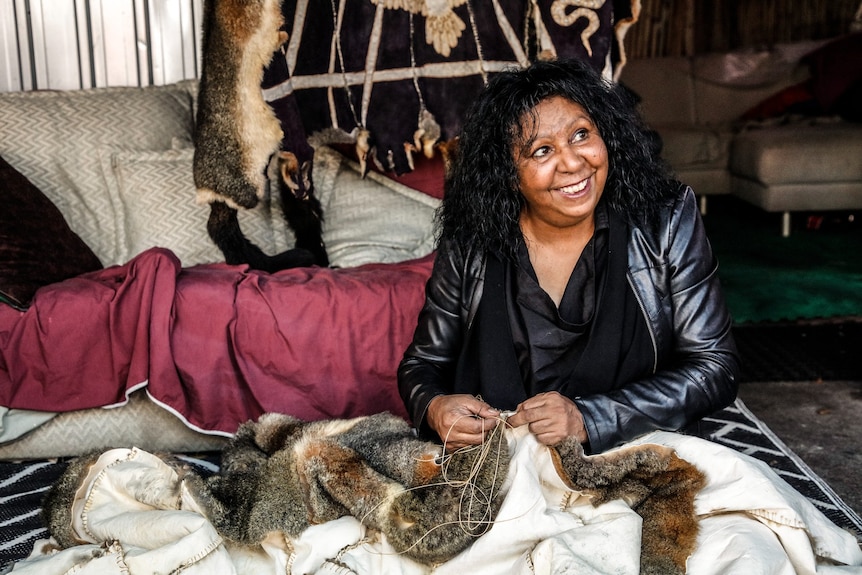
pixel 581 134
pixel 541 152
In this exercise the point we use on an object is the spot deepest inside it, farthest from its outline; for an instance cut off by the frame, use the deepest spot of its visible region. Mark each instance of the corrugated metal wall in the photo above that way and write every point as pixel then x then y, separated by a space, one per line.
pixel 74 44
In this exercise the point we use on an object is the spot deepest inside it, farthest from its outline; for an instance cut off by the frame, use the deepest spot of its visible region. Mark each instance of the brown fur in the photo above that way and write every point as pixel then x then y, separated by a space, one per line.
pixel 281 475
pixel 237 133
pixel 236 130
pixel 655 482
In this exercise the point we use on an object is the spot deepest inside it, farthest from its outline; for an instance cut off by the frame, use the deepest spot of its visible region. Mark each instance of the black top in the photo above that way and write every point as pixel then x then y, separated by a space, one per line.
pixel 596 341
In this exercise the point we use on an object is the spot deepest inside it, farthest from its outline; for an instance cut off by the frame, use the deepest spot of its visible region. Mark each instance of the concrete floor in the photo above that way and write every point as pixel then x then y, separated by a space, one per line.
pixel 821 422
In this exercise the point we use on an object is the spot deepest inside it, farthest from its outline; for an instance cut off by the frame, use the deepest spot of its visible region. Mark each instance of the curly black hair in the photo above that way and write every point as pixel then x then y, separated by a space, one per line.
pixel 482 201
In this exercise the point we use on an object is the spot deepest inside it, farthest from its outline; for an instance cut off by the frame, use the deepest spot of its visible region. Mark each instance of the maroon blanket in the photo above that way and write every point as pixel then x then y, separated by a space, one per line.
pixel 218 344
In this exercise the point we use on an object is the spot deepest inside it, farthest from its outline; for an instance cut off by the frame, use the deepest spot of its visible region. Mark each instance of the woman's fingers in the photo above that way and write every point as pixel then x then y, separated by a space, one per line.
pixel 551 417
pixel 461 420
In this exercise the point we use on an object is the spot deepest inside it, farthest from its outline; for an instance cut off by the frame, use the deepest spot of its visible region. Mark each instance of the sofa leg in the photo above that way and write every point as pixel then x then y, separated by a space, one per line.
pixel 785 224
pixel 703 205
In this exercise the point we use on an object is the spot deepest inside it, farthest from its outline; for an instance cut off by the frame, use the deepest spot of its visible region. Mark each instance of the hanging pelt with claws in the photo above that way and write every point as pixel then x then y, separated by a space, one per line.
pixel 237 134
pixel 282 475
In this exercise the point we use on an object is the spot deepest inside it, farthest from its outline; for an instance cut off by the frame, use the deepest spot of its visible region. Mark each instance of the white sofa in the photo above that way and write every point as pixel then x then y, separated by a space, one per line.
pixel 782 164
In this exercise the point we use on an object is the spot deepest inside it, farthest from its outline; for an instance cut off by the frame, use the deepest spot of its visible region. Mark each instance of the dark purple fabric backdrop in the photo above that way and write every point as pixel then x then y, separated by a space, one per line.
pixel 369 76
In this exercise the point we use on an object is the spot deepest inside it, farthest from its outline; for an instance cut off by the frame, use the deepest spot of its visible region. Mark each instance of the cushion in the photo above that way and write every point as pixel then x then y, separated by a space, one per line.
pixel 684 146
pixel 665 88
pixel 37 247
pixel 140 422
pixel 727 85
pixel 795 99
pixel 156 195
pixel 371 219
pixel 54 138
pixel 799 153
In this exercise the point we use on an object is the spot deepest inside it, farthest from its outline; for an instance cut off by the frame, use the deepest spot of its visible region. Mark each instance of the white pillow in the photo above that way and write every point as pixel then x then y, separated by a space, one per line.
pixel 371 219
pixel 156 193
pixel 53 138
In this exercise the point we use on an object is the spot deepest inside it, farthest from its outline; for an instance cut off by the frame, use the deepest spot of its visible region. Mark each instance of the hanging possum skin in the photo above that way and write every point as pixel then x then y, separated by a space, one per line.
pixel 236 130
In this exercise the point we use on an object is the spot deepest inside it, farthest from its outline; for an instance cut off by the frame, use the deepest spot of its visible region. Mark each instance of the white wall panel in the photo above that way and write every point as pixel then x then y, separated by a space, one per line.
pixel 85 63
pixel 166 43
pixel 10 61
pixel 55 44
pixel 114 51
pixel 73 44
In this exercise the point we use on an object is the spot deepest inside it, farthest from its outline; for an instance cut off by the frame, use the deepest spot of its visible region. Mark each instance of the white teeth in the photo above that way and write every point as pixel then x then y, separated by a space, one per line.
pixel 574 189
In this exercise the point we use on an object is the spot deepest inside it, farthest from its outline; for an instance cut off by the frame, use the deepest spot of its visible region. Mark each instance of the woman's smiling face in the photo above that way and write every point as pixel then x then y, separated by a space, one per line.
pixel 564 166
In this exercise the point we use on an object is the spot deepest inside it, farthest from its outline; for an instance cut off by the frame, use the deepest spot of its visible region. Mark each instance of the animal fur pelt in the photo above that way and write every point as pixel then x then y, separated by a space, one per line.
pixel 237 133
pixel 281 475
pixel 653 481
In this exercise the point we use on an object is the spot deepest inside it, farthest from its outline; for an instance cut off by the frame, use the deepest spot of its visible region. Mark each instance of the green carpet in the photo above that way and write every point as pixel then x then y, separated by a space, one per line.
pixel 814 273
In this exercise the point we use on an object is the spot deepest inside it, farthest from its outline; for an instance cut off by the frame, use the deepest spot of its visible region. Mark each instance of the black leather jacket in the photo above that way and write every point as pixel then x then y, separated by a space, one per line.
pixel 673 274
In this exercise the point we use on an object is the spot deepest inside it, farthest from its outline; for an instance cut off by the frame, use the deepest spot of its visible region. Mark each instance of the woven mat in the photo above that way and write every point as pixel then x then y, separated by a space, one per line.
pixel 24 485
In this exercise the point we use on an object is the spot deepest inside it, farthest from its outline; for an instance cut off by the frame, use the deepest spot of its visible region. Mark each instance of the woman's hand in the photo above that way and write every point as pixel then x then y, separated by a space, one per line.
pixel 552 418
pixel 461 420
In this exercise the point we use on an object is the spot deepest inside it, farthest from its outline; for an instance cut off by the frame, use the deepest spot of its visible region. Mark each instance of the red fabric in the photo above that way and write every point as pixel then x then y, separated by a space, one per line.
pixel 219 344
pixel 781 103
pixel 427 175
pixel 86 340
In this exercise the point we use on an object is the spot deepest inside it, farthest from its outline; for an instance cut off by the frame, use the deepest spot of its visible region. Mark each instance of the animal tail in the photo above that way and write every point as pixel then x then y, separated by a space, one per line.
pixel 224 229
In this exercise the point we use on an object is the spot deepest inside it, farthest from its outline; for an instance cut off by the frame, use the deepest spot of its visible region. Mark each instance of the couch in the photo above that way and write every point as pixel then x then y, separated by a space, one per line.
pixel 764 125
pixel 119 323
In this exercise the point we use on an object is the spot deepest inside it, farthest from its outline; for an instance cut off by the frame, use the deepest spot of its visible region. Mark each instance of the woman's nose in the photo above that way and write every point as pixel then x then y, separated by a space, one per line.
pixel 571 158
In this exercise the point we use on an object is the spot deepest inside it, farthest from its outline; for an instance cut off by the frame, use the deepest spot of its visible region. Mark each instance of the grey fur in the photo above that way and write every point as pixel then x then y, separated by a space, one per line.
pixel 57 507
pixel 283 474
pixel 656 483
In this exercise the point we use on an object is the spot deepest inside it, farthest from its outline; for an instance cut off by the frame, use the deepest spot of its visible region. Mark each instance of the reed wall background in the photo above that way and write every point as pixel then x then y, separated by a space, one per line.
pixel 73 44
pixel 688 27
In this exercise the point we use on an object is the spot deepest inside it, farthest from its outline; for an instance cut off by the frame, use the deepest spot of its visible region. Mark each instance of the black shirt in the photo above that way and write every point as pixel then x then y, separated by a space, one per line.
pixel 550 342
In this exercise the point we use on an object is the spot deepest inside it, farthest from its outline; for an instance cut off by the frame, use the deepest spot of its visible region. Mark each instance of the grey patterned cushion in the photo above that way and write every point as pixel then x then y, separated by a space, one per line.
pixel 372 219
pixel 54 139
pixel 156 194
pixel 139 422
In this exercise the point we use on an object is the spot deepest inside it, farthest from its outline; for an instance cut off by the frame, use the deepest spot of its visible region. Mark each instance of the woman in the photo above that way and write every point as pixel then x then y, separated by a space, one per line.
pixel 573 282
